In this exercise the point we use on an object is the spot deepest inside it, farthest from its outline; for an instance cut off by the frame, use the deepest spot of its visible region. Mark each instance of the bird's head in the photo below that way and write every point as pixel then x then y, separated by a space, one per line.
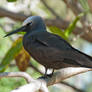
pixel 33 23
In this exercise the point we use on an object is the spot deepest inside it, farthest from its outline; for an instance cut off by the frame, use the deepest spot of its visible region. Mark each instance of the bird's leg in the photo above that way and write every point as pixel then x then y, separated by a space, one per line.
pixel 45 75
pixel 52 72
pixel 50 75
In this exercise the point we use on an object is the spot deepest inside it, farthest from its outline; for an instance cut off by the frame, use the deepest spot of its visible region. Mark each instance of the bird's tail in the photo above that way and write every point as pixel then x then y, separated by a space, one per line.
pixel 85 61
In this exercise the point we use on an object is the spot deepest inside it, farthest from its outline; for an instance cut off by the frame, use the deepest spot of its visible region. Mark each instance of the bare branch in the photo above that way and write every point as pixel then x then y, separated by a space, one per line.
pixel 90 4
pixel 55 22
pixel 35 68
pixel 50 9
pixel 40 83
pixel 12 15
pixel 64 24
pixel 74 6
pixel 66 73
pixel 64 83
pixel 33 87
pixel 26 76
pixel 73 87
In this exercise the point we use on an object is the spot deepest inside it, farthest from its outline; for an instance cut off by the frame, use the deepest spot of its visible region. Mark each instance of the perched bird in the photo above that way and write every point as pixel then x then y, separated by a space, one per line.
pixel 49 49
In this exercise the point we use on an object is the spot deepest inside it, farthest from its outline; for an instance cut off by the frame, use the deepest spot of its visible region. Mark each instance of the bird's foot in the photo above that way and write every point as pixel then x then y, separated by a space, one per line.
pixel 48 75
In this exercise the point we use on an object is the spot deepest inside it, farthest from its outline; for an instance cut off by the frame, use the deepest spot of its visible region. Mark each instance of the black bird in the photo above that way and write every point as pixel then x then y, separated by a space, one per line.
pixel 49 49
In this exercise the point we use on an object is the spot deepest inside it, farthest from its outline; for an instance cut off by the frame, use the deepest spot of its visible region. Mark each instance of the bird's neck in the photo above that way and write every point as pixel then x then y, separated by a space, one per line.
pixel 33 32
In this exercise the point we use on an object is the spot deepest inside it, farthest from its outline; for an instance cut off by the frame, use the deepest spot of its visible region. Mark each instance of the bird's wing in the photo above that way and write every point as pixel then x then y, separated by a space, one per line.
pixel 53 40
pixel 64 51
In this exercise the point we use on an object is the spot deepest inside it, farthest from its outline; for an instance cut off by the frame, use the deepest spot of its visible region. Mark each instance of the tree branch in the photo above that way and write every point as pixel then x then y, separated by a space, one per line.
pixel 12 15
pixel 73 87
pixel 42 82
pixel 50 9
pixel 54 22
pixel 26 76
pixel 64 83
pixel 90 4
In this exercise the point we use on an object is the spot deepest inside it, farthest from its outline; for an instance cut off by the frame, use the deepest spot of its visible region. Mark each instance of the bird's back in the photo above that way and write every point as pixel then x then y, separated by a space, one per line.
pixel 54 52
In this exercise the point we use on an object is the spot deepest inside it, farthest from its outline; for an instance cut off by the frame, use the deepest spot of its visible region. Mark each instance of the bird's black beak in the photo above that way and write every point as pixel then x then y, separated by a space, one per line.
pixel 15 31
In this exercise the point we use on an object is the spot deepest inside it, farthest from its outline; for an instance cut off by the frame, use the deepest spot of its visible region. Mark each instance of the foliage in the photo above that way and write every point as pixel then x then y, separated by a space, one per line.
pixel 12 52
pixel 66 33
pixel 84 4
pixel 11 0
pixel 16 49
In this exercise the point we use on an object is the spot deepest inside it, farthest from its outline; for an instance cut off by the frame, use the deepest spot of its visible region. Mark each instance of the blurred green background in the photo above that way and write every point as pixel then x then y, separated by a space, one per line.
pixel 70 19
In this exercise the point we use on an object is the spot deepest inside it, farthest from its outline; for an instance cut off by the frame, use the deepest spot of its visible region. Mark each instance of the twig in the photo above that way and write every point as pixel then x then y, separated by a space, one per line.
pixel 26 76
pixel 90 4
pixel 74 6
pixel 33 87
pixel 35 68
pixel 30 65
pixel 73 87
pixel 55 22
pixel 50 9
pixel 12 15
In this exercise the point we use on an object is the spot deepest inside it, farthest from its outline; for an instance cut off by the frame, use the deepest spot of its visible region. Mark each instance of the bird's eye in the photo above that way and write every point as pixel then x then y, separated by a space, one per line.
pixel 28 24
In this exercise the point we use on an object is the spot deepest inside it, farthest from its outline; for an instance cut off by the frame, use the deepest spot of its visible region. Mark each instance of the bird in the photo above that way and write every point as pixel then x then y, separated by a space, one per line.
pixel 50 50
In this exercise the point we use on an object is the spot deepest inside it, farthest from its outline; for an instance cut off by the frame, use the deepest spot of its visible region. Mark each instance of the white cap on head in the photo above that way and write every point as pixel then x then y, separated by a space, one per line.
pixel 31 19
pixel 28 20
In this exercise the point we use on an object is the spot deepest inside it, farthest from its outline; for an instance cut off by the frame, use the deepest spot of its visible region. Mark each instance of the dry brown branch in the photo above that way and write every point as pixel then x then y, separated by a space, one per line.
pixel 50 9
pixel 55 22
pixel 12 15
pixel 90 4
pixel 35 68
pixel 74 6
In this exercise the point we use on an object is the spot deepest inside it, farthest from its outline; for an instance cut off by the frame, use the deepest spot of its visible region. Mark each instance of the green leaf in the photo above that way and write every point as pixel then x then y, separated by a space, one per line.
pixel 11 0
pixel 12 52
pixel 58 31
pixel 84 4
pixel 71 27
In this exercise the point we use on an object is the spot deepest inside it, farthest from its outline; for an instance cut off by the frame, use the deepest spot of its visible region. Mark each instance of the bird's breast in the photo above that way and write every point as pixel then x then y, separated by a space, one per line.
pixel 31 46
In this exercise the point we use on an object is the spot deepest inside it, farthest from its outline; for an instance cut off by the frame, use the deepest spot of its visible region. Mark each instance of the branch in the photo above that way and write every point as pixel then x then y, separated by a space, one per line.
pixel 74 6
pixel 86 34
pixel 73 87
pixel 33 87
pixel 55 22
pixel 17 74
pixel 50 9
pixel 90 4
pixel 64 83
pixel 12 15
pixel 35 68
pixel 42 82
